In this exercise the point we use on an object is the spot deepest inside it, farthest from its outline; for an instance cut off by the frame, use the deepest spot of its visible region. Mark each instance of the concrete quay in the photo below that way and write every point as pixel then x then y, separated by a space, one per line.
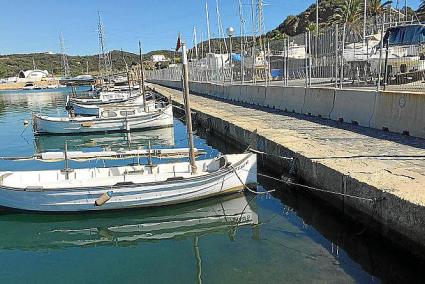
pixel 386 170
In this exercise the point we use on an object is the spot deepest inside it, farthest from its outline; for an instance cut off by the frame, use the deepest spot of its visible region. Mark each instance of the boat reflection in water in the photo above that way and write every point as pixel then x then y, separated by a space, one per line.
pixel 190 220
pixel 111 141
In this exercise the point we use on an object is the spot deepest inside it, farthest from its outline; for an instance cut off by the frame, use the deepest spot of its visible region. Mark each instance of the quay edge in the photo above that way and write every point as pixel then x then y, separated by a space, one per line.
pixel 396 218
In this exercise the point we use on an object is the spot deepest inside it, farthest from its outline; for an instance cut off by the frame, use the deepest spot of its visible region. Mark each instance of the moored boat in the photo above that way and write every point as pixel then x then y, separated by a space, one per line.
pixel 104 97
pixel 126 187
pixel 93 109
pixel 109 120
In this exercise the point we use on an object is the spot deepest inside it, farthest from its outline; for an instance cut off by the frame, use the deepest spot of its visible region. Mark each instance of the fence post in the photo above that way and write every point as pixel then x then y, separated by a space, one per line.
pixel 344 30
pixel 378 85
pixel 310 61
pixel 306 59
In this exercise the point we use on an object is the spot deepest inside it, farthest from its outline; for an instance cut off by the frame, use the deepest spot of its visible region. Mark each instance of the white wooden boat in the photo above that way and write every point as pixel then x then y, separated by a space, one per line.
pixel 110 119
pixel 221 215
pixel 93 110
pixel 125 187
pixel 104 97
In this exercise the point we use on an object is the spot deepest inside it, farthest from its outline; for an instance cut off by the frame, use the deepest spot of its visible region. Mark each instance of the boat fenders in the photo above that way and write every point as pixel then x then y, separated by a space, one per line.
pixel 103 198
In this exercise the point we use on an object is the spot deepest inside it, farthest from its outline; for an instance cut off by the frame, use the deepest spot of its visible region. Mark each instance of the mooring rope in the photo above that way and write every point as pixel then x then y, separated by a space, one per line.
pixel 299 185
pixel 271 155
pixel 318 189
pixel 246 187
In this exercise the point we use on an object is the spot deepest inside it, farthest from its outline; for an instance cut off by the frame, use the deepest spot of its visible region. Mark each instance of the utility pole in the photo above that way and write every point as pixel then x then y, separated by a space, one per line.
pixel 187 108
pixel 64 59
pixel 364 21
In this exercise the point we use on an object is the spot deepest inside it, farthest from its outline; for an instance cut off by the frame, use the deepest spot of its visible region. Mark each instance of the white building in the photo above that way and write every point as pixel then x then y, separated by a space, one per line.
pixel 158 58
pixel 32 75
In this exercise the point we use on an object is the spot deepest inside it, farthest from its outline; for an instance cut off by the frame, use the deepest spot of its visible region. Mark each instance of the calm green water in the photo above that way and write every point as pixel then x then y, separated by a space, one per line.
pixel 285 238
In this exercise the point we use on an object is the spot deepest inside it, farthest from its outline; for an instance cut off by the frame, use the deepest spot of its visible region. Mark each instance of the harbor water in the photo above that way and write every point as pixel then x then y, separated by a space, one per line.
pixel 284 237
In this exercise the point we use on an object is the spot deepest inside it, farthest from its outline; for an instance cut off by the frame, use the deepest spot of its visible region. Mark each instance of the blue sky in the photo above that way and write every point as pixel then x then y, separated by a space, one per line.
pixel 34 26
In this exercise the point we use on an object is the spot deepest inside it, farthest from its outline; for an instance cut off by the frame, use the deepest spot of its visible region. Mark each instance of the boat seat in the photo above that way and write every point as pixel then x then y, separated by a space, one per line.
pixel 115 172
pixel 217 164
pixel 3 176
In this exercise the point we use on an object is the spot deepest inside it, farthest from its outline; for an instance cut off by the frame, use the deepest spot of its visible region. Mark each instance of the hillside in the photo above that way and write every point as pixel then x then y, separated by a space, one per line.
pixel 297 24
pixel 10 65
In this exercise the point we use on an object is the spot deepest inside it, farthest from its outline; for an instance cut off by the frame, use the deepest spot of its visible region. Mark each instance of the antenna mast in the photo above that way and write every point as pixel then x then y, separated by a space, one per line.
pixel 64 58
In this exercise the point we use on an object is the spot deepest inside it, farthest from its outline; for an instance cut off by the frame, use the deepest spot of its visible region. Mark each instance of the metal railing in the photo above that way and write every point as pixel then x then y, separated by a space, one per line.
pixel 337 57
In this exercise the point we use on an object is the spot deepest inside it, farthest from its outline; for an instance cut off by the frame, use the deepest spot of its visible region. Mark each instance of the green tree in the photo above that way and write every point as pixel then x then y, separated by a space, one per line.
pixel 349 13
pixel 377 8
pixel 311 27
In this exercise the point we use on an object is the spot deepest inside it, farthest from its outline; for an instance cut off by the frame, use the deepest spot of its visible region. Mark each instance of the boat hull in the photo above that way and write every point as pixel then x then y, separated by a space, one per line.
pixel 158 119
pixel 94 110
pixel 127 195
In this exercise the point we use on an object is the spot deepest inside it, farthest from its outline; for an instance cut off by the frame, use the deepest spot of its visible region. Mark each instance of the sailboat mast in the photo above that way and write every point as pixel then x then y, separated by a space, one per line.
pixel 104 58
pixel 64 59
pixel 128 71
pixel 208 27
pixel 142 77
pixel 187 108
pixel 195 42
pixel 242 26
pixel 220 26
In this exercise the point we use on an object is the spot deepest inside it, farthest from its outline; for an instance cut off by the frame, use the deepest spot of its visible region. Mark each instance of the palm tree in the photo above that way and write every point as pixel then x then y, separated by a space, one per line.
pixel 376 8
pixel 349 12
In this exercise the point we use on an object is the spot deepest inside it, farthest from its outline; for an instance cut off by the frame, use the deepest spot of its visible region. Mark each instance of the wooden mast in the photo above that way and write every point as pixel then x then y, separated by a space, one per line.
pixel 187 108
pixel 142 78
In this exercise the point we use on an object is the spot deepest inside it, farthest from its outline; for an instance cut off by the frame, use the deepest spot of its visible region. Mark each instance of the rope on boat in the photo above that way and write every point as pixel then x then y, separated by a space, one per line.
pixel 26 124
pixel 246 187
pixel 271 155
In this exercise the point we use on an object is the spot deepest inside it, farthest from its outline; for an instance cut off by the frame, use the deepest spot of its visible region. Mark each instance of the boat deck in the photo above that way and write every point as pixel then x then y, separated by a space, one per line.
pixel 100 177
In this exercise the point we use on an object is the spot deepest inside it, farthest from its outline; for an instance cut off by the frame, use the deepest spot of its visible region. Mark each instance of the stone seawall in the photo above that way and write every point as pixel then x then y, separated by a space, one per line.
pixel 375 177
pixel 398 112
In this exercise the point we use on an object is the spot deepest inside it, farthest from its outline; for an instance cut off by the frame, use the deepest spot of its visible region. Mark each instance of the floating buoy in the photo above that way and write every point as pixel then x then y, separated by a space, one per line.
pixel 26 122
pixel 103 198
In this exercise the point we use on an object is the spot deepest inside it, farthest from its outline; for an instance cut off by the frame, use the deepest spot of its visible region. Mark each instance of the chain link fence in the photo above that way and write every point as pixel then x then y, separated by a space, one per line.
pixel 390 57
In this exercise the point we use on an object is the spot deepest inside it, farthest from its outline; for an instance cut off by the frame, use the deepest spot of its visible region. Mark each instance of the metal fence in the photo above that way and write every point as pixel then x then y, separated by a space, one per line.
pixel 338 57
